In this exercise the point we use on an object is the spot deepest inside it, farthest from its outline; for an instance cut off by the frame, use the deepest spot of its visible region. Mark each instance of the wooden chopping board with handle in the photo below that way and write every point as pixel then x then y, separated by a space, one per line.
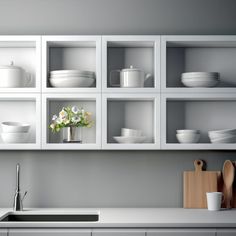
pixel 197 183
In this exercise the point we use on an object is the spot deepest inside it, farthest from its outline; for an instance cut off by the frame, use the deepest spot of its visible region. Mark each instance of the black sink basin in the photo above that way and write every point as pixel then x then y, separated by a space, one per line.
pixel 51 218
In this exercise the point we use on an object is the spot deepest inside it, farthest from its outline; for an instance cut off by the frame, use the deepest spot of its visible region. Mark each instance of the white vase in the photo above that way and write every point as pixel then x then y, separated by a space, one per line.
pixel 72 134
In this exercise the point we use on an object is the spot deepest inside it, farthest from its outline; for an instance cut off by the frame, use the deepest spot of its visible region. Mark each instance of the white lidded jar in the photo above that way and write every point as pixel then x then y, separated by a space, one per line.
pixel 130 78
pixel 12 76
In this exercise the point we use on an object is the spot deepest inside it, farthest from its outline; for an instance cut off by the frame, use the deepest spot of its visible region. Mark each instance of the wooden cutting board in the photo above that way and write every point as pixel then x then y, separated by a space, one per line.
pixel 197 183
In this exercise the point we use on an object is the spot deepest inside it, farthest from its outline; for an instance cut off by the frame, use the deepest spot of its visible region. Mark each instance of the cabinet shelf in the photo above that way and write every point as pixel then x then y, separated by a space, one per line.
pixel 71 53
pixel 142 52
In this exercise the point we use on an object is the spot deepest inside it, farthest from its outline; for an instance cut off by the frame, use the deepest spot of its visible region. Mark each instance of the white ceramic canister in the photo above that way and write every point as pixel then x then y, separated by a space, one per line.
pixel 130 78
pixel 13 76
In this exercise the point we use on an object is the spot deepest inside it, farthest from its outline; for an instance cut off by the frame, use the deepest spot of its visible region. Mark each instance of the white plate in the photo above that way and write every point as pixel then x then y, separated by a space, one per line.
pixel 72 72
pixel 223 131
pixel 225 140
pixel 130 139
pixel 72 82
pixel 200 74
pixel 202 83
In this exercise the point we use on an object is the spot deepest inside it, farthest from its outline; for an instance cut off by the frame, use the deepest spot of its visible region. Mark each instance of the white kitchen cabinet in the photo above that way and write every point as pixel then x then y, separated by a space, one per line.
pixel 226 232
pixel 131 111
pixel 118 232
pixel 202 112
pixel 198 53
pixel 71 53
pixel 49 232
pixel 53 104
pixel 142 52
pixel 181 232
pixel 25 108
pixel 25 52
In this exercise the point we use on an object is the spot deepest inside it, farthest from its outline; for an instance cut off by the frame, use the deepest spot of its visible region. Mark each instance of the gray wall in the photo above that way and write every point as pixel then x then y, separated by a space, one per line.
pixel 108 178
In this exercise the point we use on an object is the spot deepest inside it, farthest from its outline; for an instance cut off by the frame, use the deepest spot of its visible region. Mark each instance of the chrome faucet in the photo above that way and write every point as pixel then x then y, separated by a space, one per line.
pixel 18 205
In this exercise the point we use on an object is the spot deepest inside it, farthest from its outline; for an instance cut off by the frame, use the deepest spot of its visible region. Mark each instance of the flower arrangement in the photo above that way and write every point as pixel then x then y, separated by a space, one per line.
pixel 71 116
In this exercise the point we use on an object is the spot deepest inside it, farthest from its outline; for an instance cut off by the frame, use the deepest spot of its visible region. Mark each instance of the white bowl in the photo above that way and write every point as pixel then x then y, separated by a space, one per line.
pixel 231 139
pixel 202 83
pixel 131 132
pixel 15 127
pixel 188 137
pixel 72 82
pixel 130 139
pixel 187 131
pixel 14 137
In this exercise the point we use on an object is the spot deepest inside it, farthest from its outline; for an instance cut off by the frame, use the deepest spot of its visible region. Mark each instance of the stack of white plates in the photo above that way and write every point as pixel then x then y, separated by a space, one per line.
pixel 200 79
pixel 188 135
pixel 72 78
pixel 222 136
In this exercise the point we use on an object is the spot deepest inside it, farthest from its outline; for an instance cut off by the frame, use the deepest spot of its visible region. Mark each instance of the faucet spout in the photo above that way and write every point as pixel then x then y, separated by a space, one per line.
pixel 18 205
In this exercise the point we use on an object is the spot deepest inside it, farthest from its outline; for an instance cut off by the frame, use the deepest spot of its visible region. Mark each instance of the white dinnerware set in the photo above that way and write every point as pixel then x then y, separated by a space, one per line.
pixel 215 136
pixel 200 79
pixel 15 132
pixel 72 78
pixel 130 136
pixel 223 136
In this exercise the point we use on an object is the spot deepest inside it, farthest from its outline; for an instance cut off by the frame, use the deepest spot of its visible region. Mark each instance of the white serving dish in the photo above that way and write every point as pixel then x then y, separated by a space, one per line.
pixel 13 77
pixel 220 135
pixel 200 75
pixel 130 139
pixel 72 82
pixel 187 131
pixel 15 127
pixel 201 82
pixel 14 137
pixel 131 132
pixel 188 137
pixel 231 139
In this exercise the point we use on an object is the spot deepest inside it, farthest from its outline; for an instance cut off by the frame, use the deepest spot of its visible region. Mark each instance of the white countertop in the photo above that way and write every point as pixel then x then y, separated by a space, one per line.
pixel 131 218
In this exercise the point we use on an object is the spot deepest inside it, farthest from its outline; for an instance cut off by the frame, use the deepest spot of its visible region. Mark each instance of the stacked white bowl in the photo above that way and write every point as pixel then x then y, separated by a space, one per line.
pixel 72 78
pixel 188 135
pixel 222 136
pixel 130 136
pixel 15 132
pixel 200 79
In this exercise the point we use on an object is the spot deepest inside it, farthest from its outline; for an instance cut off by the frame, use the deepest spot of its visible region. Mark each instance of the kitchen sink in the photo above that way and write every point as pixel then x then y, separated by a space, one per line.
pixel 51 218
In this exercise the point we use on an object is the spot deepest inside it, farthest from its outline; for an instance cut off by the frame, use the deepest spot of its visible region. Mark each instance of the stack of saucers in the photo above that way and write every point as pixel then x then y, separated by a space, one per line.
pixel 222 136
pixel 188 135
pixel 72 78
pixel 200 79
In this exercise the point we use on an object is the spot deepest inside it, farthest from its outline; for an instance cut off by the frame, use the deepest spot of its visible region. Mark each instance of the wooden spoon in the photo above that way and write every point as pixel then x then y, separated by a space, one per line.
pixel 228 177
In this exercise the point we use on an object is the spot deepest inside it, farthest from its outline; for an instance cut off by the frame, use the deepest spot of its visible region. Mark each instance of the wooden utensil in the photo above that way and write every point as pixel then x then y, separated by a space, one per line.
pixel 228 177
pixel 234 189
pixel 197 183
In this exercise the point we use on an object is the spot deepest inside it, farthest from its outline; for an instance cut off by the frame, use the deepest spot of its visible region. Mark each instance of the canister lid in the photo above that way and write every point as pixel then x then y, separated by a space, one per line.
pixel 131 68
pixel 11 66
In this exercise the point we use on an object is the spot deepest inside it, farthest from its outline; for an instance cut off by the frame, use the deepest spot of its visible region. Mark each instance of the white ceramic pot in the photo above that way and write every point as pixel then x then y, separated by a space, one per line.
pixel 13 77
pixel 130 78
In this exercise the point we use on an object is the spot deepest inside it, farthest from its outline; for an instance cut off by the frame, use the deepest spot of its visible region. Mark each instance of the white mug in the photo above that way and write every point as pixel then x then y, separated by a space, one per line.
pixel 214 200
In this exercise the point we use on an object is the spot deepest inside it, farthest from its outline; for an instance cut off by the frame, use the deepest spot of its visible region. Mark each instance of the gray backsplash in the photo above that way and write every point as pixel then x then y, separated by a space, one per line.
pixel 101 178
pixel 108 178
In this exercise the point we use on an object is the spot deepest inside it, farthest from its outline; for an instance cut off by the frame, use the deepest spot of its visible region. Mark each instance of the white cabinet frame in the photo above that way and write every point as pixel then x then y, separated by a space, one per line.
pixel 25 97
pixel 193 41
pixel 132 39
pixel 70 146
pixel 131 97
pixel 191 97
pixel 24 41
pixel 70 41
